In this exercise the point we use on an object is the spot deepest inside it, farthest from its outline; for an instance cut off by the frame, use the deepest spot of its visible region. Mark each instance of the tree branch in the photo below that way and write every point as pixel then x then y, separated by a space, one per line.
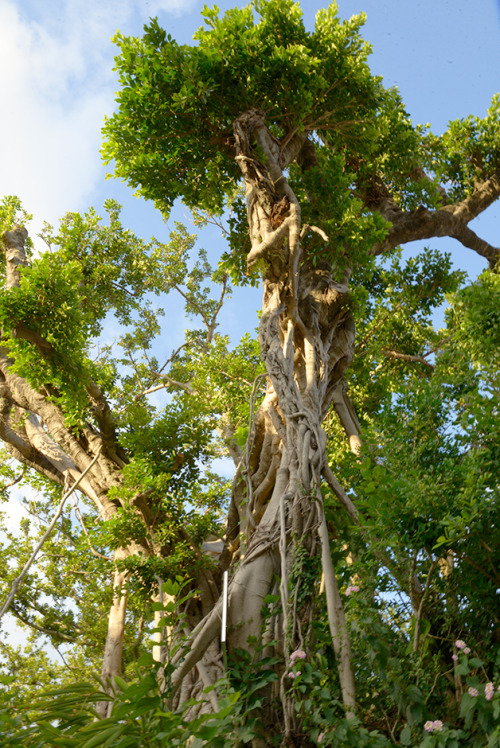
pixel 48 632
pixel 82 523
pixel 418 614
pixel 407 357
pixel 471 240
pixel 21 448
pixel 15 255
pixel 337 621
pixel 23 395
pixel 449 220
pixel 213 322
pixel 340 494
pixel 17 581
pixel 100 407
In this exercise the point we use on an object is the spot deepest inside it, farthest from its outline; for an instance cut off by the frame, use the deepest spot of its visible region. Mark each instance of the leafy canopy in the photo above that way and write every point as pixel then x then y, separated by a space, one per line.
pixel 172 134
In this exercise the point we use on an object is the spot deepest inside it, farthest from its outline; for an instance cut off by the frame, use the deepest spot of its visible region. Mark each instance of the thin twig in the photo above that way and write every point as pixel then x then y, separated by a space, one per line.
pixel 418 616
pixel 82 523
pixel 6 486
pixel 19 579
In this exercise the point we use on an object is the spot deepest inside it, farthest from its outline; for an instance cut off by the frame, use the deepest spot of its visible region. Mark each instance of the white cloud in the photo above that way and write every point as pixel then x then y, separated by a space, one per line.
pixel 13 512
pixel 167 6
pixel 56 86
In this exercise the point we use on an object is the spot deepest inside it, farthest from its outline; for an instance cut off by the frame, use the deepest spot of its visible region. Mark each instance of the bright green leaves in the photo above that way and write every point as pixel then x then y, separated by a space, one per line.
pixel 426 486
pixel 393 306
pixel 117 268
pixel 224 378
pixel 172 134
pixel 171 444
pixel 474 318
pixel 46 330
pixel 47 301
pixel 397 155
pixel 160 139
pixel 327 200
pixel 12 212
pixel 63 298
pixel 469 151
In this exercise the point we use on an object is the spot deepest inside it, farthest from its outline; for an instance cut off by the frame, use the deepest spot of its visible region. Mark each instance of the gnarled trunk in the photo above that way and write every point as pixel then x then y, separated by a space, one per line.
pixel 306 336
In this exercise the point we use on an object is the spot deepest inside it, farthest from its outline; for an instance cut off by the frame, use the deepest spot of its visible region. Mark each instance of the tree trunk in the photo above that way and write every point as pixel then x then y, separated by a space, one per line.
pixel 113 650
pixel 306 337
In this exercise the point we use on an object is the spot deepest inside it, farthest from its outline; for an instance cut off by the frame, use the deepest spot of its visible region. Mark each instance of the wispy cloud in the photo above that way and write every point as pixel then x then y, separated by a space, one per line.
pixel 56 87
pixel 54 104
pixel 176 7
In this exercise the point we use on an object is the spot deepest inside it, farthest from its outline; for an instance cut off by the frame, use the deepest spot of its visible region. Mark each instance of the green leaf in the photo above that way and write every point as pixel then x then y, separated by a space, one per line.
pixel 405 736
pixel 105 737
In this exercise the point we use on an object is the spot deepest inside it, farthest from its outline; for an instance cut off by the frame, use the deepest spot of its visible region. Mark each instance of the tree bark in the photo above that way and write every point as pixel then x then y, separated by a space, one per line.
pixel 306 336
pixel 112 658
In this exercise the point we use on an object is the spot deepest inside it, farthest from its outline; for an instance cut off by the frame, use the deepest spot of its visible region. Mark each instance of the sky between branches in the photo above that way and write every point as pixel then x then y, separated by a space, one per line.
pixel 57 84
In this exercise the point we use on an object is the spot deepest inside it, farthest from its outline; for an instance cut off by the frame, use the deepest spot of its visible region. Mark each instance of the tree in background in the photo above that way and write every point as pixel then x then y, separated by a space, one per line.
pixel 360 529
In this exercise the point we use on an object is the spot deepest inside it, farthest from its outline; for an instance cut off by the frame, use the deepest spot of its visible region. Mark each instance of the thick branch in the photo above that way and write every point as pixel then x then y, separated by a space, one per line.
pixel 450 220
pixel 27 398
pixel 340 494
pixel 407 357
pixel 483 196
pixel 100 409
pixel 290 148
pixel 105 421
pixel 15 254
pixel 471 240
pixel 21 448
pixel 345 412
pixel 337 623
pixel 199 640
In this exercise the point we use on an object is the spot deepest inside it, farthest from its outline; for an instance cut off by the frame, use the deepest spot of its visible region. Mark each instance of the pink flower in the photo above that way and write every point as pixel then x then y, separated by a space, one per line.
pixel 352 588
pixel 299 654
pixel 459 644
pixel 489 690
pixel 320 737
pixel 435 726
pixel 454 657
pixel 473 692
pixel 291 675
pixel 466 650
